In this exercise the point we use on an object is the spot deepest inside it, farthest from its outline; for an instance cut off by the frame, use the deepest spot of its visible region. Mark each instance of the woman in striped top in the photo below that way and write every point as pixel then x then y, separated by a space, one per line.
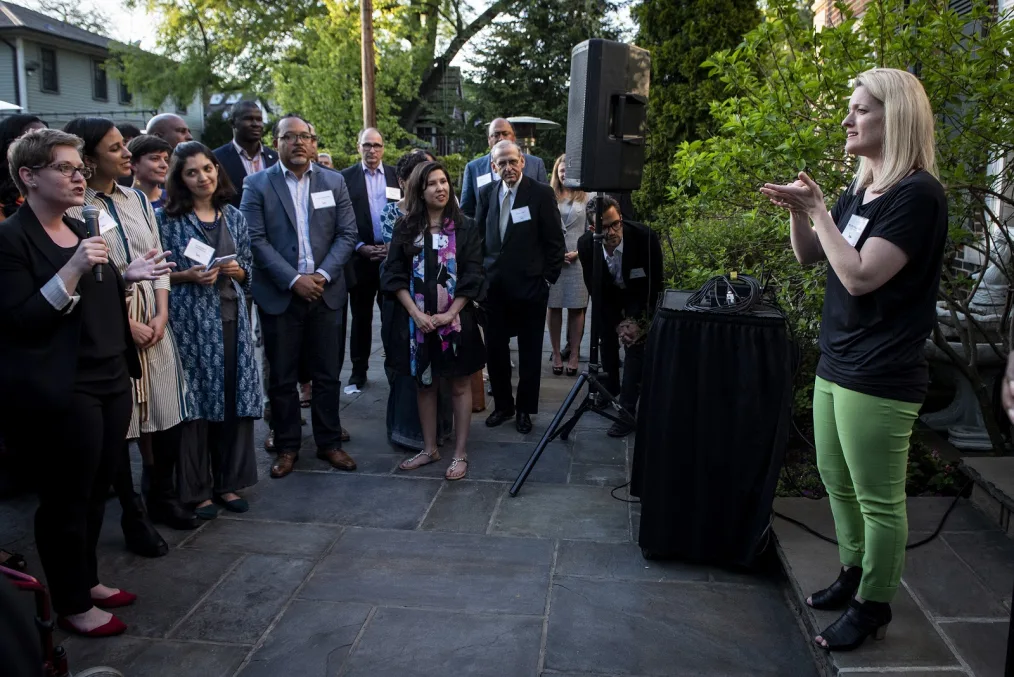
pixel 129 228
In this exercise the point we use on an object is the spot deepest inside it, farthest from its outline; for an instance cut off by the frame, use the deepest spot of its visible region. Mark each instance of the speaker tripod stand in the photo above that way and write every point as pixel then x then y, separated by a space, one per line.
pixel 591 376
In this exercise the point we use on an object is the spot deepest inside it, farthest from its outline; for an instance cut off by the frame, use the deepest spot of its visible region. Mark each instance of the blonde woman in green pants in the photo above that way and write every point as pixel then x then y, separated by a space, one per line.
pixel 884 243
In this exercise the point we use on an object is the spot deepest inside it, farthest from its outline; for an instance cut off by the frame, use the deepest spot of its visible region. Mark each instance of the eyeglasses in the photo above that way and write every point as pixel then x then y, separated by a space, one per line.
pixel 67 169
pixel 372 146
pixel 613 225
pixel 292 138
pixel 504 164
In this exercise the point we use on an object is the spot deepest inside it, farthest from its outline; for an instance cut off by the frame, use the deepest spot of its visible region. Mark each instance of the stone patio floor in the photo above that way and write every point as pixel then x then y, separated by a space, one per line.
pixel 378 572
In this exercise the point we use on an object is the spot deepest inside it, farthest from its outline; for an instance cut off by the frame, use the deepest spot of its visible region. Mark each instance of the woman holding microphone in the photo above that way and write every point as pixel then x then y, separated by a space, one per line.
pixel 66 358
pixel 884 243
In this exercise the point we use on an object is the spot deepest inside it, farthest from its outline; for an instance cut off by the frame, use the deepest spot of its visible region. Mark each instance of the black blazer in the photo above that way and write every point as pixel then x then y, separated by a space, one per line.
pixel 642 272
pixel 355 179
pixel 233 166
pixel 39 344
pixel 530 257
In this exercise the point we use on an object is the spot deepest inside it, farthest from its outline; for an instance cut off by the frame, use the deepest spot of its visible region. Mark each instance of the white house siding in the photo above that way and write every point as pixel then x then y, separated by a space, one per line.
pixel 8 92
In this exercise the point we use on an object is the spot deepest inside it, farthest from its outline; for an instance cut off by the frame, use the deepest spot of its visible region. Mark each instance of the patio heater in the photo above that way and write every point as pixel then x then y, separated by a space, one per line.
pixel 524 129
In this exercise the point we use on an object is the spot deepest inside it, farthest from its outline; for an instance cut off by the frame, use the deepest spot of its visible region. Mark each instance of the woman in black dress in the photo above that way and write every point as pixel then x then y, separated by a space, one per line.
pixel 66 358
pixel 434 268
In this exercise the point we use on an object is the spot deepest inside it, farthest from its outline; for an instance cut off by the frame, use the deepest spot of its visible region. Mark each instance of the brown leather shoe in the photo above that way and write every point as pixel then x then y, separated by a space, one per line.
pixel 337 458
pixel 345 435
pixel 283 464
pixel 269 441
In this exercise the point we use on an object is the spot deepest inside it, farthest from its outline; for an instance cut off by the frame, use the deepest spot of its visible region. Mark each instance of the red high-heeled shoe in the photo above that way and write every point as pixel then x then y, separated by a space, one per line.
pixel 120 599
pixel 114 627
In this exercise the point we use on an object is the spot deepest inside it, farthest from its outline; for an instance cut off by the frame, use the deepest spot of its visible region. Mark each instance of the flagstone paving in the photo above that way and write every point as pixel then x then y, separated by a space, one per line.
pixel 379 572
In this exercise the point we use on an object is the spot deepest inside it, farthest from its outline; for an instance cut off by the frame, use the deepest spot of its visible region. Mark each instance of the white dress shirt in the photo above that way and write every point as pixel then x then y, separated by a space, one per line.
pixel 299 190
pixel 506 190
pixel 615 264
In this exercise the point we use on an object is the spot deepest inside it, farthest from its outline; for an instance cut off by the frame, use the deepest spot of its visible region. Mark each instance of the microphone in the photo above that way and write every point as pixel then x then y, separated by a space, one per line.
pixel 91 219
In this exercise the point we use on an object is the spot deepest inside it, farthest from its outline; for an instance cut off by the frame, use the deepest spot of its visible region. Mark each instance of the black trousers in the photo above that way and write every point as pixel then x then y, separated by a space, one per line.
pixel 310 330
pixel 527 321
pixel 85 447
pixel 362 298
pixel 629 388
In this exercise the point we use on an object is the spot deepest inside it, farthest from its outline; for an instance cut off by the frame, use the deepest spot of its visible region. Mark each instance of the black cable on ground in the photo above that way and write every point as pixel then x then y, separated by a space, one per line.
pixel 615 489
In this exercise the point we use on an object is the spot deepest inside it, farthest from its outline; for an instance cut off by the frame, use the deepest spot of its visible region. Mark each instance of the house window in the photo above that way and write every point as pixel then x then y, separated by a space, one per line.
pixel 50 83
pixel 125 96
pixel 100 86
pixel 180 109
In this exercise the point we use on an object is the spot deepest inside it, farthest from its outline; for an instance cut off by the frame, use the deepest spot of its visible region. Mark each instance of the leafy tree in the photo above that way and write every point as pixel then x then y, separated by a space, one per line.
pixel 524 65
pixel 787 87
pixel 74 13
pixel 237 45
pixel 681 35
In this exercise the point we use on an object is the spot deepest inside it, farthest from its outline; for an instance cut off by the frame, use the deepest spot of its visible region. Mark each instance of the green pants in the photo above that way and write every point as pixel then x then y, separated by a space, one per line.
pixel 862 454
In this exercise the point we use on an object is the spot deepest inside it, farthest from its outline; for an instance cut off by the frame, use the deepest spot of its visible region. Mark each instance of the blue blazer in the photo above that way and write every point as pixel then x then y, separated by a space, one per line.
pixel 271 216
pixel 535 169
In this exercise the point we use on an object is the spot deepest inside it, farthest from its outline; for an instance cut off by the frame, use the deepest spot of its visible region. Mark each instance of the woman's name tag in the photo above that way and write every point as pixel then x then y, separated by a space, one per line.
pixel 855 229
pixel 440 241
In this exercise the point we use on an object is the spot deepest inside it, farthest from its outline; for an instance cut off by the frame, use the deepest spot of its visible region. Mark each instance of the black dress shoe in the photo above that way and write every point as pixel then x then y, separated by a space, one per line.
pixel 172 513
pixel 498 417
pixel 358 380
pixel 140 534
pixel 523 423
pixel 620 429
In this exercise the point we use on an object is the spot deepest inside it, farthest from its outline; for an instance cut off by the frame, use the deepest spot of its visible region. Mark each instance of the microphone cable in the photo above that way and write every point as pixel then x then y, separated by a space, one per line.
pixel 721 295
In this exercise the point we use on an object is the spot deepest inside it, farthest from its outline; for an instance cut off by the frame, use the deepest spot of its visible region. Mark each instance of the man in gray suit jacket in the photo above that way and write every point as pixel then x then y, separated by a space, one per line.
pixel 479 173
pixel 303 232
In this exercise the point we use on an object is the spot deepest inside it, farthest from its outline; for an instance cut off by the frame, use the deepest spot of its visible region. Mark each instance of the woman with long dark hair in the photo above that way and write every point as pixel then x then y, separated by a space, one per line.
pixel 12 127
pixel 216 342
pixel 66 358
pixel 884 243
pixel 403 426
pixel 434 268
pixel 127 224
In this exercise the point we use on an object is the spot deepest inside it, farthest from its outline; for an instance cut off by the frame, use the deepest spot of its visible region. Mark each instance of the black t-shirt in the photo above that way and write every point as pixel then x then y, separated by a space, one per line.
pixel 874 343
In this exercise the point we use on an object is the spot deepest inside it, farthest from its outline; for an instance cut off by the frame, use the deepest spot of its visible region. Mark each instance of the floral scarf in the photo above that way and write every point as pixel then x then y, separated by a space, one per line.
pixel 444 260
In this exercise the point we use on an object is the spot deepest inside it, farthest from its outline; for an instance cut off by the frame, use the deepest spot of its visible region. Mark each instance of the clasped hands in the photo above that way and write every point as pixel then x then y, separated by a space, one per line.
pixel 629 332
pixel 427 323
pixel 310 287
pixel 373 252
pixel 803 196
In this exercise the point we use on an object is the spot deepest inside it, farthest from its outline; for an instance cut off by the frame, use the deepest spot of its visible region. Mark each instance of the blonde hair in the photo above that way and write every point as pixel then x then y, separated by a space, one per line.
pixel 908 128
pixel 35 149
pixel 554 181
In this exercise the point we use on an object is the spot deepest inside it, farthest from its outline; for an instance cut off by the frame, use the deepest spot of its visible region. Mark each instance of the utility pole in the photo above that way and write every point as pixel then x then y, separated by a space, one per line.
pixel 369 67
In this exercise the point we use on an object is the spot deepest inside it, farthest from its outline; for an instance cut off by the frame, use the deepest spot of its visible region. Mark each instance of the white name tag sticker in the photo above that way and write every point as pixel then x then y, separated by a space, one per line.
pixel 199 252
pixel 855 229
pixel 637 273
pixel 483 179
pixel 393 193
pixel 323 199
pixel 521 214
pixel 439 240
pixel 106 223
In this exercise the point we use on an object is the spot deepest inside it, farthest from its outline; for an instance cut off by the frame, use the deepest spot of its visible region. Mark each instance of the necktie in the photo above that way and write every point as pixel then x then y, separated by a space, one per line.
pixel 505 212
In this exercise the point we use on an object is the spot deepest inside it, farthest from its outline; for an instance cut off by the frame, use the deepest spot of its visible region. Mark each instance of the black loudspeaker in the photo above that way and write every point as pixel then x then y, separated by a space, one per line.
pixel 606 116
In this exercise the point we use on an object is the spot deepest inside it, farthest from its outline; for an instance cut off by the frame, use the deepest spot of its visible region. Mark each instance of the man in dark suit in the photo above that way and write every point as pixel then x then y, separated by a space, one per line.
pixel 371 186
pixel 303 232
pixel 523 249
pixel 245 154
pixel 630 286
pixel 480 172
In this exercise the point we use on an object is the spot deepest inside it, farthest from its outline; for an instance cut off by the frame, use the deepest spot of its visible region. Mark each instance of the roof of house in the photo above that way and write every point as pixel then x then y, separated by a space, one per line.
pixel 15 16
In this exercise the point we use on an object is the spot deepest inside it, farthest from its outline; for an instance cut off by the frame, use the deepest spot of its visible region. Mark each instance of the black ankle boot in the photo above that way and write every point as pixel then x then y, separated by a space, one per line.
pixel 858 622
pixel 140 534
pixel 838 594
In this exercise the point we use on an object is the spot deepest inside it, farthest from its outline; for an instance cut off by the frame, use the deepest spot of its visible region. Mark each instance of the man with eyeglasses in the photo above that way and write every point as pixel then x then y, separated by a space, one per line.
pixel 523 250
pixel 371 186
pixel 245 154
pixel 481 172
pixel 303 233
pixel 630 286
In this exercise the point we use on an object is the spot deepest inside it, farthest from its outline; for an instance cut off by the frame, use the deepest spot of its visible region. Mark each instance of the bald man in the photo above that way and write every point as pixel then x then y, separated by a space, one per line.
pixel 371 186
pixel 479 173
pixel 170 127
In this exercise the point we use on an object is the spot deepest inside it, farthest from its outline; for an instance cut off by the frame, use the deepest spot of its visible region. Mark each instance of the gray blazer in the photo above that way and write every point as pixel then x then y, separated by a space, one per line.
pixel 535 169
pixel 271 216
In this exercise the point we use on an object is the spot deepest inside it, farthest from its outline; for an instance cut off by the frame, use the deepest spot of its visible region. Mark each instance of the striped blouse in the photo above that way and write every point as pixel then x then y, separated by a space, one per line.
pixel 160 397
